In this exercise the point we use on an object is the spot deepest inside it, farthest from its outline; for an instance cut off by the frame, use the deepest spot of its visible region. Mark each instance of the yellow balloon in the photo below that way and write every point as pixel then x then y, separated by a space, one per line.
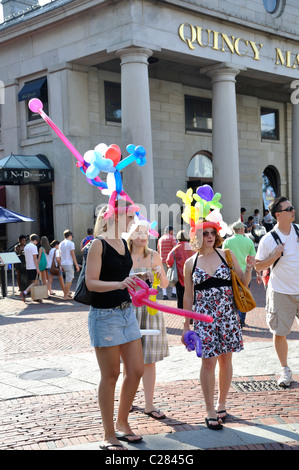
pixel 153 298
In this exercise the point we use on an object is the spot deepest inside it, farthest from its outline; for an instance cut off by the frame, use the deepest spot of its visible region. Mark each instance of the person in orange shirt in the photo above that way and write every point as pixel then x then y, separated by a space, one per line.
pixel 181 252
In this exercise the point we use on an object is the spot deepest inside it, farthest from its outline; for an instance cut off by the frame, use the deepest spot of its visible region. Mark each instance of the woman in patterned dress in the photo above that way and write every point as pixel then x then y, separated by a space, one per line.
pixel 155 348
pixel 208 289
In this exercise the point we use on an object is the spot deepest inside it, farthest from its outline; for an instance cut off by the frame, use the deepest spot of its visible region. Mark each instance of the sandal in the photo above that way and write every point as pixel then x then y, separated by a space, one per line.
pixel 151 414
pixel 126 437
pixel 214 427
pixel 222 418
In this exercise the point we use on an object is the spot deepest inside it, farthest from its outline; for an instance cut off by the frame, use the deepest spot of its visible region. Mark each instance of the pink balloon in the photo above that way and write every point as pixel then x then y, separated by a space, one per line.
pixel 35 105
pixel 140 298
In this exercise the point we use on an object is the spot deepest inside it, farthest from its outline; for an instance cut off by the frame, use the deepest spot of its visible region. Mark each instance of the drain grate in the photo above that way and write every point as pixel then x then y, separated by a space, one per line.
pixel 256 386
pixel 44 374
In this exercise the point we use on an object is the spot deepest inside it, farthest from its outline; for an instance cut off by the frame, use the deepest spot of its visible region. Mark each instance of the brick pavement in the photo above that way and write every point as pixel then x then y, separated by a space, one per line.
pixel 64 419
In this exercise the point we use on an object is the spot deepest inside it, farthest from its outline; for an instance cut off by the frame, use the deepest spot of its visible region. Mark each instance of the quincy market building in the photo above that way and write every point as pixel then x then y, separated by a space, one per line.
pixel 209 88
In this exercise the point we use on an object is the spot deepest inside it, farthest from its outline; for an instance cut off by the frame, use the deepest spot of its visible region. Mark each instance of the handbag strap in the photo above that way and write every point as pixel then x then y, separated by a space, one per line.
pixel 229 260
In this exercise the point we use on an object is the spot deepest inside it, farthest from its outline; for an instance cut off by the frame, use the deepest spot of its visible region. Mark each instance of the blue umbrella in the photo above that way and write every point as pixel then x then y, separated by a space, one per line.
pixel 8 217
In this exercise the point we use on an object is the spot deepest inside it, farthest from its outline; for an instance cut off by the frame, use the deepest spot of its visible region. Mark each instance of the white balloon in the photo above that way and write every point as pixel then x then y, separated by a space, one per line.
pixel 111 181
pixel 88 156
pixel 101 148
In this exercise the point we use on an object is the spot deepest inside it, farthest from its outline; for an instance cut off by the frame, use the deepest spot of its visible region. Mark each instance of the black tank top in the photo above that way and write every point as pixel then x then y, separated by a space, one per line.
pixel 115 267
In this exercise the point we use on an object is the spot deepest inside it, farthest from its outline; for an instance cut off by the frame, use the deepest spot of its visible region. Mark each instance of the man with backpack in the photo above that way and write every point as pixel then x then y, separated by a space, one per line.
pixel 279 250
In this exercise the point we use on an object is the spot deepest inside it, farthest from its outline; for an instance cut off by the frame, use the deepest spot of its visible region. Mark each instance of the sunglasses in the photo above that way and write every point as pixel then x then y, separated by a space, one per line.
pixel 213 233
pixel 288 209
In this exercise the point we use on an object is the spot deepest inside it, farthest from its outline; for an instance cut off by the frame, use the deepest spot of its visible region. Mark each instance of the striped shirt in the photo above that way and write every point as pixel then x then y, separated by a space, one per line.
pixel 165 245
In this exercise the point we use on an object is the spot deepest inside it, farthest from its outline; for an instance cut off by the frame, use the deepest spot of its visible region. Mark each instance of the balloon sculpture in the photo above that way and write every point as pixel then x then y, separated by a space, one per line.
pixel 207 206
pixel 193 342
pixel 101 159
pixel 107 159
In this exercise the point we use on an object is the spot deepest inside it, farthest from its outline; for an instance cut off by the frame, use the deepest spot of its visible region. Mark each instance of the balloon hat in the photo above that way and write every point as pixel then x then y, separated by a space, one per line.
pixel 205 212
pixel 107 159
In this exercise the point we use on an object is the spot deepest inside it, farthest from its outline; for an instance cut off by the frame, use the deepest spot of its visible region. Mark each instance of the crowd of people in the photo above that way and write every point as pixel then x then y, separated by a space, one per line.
pixel 37 259
pixel 118 253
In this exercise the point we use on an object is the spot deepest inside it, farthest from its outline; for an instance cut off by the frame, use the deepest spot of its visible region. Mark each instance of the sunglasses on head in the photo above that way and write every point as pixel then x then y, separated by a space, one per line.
pixel 206 233
pixel 288 209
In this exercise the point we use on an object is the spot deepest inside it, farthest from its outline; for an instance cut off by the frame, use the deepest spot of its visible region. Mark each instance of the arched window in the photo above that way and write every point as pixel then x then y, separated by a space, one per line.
pixel 271 185
pixel 200 169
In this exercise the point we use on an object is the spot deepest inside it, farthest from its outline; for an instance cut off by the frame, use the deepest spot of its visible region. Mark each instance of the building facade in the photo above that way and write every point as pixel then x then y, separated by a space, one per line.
pixel 208 87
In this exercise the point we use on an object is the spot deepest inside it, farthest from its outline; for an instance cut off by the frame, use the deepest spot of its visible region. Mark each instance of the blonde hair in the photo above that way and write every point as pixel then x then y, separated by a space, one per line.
pixel 146 250
pixel 102 224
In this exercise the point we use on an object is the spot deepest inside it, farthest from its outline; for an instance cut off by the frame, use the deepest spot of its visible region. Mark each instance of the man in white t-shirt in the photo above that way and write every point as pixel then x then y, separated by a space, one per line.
pixel 31 259
pixel 283 288
pixel 68 260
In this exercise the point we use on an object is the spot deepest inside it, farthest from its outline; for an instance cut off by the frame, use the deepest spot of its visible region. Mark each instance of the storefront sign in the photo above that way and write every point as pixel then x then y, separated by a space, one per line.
pixel 21 177
pixel 197 36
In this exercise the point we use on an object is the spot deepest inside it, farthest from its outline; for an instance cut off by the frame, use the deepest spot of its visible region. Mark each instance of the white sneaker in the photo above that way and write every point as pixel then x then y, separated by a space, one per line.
pixel 286 377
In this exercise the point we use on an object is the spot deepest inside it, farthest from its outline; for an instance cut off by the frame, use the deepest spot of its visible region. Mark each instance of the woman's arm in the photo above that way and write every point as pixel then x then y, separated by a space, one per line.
pixel 93 270
pixel 245 277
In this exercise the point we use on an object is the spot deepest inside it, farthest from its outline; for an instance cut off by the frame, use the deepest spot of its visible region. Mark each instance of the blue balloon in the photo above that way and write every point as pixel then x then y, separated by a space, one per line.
pixel 118 182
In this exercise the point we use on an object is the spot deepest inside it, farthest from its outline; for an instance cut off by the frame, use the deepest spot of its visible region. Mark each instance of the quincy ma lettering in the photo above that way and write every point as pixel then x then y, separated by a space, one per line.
pixel 195 36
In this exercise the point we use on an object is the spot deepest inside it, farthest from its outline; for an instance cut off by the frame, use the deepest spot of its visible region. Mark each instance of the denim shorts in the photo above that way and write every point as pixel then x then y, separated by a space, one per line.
pixel 112 327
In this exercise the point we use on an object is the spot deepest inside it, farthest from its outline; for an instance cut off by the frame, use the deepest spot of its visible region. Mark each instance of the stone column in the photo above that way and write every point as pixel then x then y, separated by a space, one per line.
pixel 72 195
pixel 226 178
pixel 295 159
pixel 138 181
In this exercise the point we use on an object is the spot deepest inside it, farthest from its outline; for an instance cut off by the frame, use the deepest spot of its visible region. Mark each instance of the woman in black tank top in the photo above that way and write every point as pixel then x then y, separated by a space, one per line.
pixel 113 328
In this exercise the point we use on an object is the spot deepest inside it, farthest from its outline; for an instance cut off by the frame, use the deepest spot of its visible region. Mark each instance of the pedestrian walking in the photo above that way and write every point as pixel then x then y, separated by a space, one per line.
pixel 43 258
pixel 113 327
pixel 21 267
pixel 147 263
pixel 32 267
pixel 55 255
pixel 165 245
pixel 68 260
pixel 208 286
pixel 282 296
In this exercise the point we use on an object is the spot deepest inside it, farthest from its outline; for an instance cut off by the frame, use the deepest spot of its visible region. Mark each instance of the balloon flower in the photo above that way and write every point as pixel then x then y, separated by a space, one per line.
pixel 141 297
pixel 193 342
pixel 207 206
